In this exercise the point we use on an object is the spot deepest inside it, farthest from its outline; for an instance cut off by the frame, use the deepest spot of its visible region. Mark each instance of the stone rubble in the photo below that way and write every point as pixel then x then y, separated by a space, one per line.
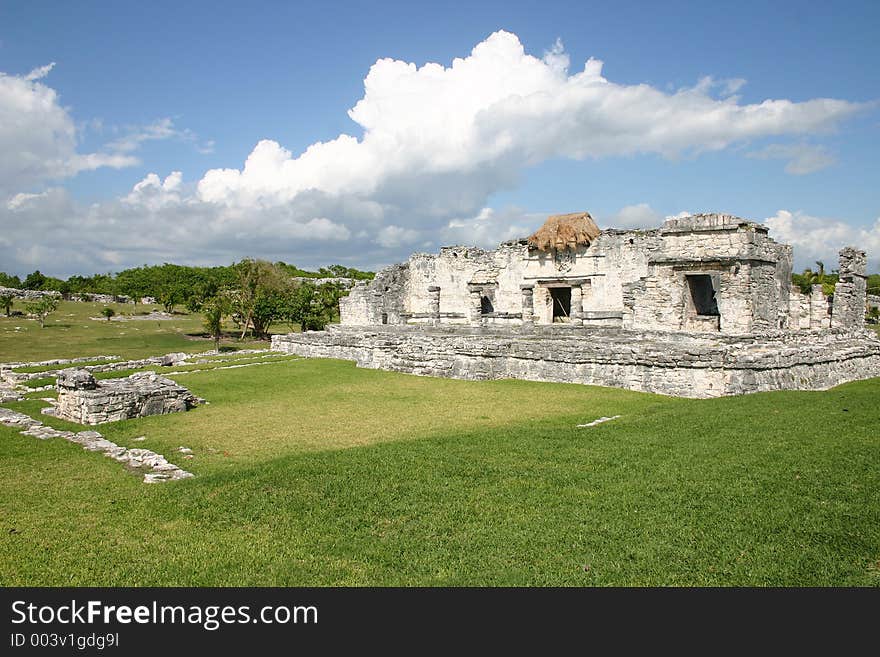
pixel 159 468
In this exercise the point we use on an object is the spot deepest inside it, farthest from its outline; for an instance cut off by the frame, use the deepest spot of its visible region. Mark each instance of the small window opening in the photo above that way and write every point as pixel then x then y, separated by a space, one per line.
pixel 702 294
pixel 384 318
pixel 486 306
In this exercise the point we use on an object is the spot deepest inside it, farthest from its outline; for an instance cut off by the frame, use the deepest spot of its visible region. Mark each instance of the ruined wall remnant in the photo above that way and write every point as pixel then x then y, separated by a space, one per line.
pixel 379 301
pixel 848 309
pixel 83 399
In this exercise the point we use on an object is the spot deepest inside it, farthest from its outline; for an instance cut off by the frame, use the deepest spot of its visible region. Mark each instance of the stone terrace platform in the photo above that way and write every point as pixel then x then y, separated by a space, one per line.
pixel 678 364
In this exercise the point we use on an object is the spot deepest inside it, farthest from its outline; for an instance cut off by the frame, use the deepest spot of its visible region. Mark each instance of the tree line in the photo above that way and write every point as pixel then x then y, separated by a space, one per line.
pixel 254 294
pixel 175 283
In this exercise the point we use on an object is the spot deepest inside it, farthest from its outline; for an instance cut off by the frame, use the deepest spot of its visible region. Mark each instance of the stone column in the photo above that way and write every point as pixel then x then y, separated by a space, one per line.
pixel 528 304
pixel 577 304
pixel 434 304
pixel 850 295
pixel 475 307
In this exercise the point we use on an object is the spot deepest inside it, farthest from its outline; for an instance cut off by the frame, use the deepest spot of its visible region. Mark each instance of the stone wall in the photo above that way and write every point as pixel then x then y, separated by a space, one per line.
pixel 28 295
pixel 402 294
pixel 99 298
pixel 85 400
pixel 666 363
pixel 379 301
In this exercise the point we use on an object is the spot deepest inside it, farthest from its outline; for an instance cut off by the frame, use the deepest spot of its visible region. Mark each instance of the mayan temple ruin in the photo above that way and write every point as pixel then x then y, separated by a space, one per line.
pixel 703 306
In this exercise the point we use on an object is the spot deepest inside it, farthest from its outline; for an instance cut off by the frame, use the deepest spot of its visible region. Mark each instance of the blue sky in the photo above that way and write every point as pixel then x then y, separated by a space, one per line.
pixel 141 91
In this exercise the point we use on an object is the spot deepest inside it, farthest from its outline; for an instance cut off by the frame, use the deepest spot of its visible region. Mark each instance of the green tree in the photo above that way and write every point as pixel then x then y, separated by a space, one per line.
pixel 9 281
pixel 42 308
pixel 34 281
pixel 312 306
pixel 6 301
pixel 262 295
pixel 213 311
pixel 108 312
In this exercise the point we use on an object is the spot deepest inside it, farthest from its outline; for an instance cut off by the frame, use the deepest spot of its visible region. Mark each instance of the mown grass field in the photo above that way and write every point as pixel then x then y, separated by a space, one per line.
pixel 70 332
pixel 313 472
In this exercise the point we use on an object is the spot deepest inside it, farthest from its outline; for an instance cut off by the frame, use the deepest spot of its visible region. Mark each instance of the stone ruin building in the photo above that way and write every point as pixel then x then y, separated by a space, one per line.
pixel 701 307
pixel 85 400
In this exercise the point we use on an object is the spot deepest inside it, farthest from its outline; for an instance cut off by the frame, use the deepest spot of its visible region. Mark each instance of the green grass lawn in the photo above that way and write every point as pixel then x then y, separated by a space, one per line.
pixel 313 472
pixel 71 333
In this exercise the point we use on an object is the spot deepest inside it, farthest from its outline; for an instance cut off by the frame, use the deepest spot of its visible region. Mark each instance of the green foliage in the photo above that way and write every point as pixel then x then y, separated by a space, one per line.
pixel 168 283
pixel 34 281
pixel 108 312
pixel 338 271
pixel 6 301
pixel 313 306
pixel 9 281
pixel 333 271
pixel 261 295
pixel 42 308
pixel 806 280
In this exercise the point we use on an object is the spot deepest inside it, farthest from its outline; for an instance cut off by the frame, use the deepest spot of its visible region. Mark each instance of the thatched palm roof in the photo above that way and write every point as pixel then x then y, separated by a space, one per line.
pixel 565 231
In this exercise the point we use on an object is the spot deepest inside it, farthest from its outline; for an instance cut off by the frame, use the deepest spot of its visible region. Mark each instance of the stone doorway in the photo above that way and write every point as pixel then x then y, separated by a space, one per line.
pixel 702 309
pixel 561 300
pixel 702 294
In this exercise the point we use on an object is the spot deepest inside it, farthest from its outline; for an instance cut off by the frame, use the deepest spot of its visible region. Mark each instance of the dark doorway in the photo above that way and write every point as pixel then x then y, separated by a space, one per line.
pixel 486 306
pixel 561 297
pixel 384 318
pixel 702 294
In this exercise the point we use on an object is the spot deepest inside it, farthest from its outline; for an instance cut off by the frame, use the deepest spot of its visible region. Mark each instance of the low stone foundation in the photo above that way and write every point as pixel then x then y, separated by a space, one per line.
pixel 678 364
pixel 83 399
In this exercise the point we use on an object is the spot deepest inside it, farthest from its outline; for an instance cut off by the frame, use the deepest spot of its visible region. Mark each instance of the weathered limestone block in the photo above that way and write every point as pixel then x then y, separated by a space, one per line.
pixel 820 309
pixel 74 379
pixel 475 305
pixel 172 359
pixel 434 294
pixel 84 400
pixel 528 304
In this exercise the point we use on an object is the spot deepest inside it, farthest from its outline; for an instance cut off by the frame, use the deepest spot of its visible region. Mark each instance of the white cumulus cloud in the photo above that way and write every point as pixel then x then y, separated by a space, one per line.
pixel 492 113
pixel 820 238
pixel 38 140
pixel 433 144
